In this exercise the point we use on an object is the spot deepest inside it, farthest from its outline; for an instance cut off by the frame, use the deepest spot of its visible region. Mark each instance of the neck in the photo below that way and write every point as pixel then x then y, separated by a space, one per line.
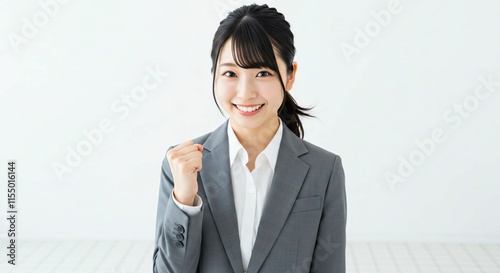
pixel 256 140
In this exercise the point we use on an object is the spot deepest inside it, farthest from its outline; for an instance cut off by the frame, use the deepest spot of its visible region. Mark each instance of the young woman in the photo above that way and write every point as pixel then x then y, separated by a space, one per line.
pixel 252 196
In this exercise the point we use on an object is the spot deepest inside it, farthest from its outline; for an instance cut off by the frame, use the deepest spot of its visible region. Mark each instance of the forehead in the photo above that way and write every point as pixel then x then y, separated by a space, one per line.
pixel 226 56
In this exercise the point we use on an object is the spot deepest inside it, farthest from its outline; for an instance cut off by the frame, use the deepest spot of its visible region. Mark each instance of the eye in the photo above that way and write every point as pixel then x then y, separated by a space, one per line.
pixel 229 74
pixel 263 74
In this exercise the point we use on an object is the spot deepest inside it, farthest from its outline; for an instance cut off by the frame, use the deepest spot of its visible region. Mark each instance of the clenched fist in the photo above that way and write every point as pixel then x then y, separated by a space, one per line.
pixel 185 162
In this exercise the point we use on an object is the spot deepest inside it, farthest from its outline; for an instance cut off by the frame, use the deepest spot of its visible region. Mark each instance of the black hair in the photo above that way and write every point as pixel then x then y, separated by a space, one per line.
pixel 255 31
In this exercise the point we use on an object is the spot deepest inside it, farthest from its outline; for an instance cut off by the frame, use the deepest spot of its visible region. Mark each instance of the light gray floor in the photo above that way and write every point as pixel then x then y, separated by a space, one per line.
pixel 424 258
pixel 136 257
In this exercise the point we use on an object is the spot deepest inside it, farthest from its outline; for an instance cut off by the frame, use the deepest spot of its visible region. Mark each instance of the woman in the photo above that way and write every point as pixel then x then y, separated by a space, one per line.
pixel 252 196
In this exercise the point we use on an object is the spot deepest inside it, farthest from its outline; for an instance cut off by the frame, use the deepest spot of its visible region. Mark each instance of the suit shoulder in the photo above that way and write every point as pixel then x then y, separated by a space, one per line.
pixel 201 139
pixel 317 151
pixel 197 140
pixel 321 160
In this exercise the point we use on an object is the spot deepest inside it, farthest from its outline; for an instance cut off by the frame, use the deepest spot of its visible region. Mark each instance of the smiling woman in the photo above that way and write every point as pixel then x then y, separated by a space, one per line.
pixel 250 92
pixel 252 196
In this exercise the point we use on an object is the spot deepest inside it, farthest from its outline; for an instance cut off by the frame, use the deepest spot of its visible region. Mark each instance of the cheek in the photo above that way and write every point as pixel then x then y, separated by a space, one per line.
pixel 273 93
pixel 223 92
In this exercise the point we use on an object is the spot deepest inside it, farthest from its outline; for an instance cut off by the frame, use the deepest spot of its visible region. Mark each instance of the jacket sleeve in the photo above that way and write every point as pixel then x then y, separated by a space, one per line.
pixel 329 253
pixel 178 235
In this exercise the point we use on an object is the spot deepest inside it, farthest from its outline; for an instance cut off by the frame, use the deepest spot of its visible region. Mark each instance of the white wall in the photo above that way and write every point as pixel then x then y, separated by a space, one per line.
pixel 64 78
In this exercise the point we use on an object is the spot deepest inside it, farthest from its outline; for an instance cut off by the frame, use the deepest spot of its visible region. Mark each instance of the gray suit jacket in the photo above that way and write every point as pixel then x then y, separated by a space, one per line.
pixel 303 224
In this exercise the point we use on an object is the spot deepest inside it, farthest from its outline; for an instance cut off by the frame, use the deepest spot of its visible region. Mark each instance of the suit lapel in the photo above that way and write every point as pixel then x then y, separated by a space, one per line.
pixel 289 175
pixel 216 177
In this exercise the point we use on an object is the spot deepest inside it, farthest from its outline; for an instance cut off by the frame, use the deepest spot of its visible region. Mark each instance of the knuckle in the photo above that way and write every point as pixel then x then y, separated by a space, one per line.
pixel 172 153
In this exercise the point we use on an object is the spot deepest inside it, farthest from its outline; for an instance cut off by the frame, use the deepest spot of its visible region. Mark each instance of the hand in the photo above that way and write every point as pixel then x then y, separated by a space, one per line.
pixel 185 162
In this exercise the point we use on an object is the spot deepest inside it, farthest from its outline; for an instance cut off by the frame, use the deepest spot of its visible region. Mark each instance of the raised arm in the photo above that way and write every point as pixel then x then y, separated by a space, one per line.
pixel 178 232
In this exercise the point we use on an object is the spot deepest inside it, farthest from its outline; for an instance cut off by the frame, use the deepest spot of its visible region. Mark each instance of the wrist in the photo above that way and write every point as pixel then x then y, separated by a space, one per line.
pixel 185 199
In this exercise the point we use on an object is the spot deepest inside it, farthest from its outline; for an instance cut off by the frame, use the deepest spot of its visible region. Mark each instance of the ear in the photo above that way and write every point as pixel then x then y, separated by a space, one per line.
pixel 291 77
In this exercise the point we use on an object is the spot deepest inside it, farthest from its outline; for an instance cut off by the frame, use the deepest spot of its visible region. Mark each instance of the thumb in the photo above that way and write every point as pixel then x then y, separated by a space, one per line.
pixel 200 147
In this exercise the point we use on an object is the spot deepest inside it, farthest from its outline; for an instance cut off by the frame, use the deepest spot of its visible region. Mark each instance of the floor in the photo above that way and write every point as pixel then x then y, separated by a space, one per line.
pixel 136 257
pixel 424 258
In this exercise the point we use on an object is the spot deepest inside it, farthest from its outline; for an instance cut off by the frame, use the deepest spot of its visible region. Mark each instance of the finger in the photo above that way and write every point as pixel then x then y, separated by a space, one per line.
pixel 200 147
pixel 191 155
pixel 184 144
pixel 183 149
pixel 193 165
pixel 189 149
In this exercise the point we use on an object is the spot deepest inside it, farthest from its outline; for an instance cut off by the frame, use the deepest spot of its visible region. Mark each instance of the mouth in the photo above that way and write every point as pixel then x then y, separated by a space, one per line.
pixel 248 108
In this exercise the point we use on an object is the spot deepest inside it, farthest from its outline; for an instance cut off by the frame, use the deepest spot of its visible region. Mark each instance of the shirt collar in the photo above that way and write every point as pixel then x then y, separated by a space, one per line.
pixel 271 150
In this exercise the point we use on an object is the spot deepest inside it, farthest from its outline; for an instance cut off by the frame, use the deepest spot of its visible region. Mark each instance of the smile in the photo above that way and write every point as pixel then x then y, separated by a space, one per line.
pixel 248 109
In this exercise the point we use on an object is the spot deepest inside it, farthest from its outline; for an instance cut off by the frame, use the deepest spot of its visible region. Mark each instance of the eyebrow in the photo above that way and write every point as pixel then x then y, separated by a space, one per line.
pixel 235 65
pixel 228 64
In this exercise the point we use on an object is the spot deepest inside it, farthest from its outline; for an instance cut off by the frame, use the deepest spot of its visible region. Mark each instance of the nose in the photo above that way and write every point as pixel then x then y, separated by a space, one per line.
pixel 246 89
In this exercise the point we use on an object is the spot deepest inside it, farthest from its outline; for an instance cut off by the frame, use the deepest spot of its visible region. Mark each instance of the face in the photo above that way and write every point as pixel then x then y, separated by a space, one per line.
pixel 251 97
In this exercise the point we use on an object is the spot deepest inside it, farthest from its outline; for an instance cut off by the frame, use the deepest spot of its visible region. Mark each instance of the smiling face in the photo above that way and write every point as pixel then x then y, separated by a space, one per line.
pixel 250 96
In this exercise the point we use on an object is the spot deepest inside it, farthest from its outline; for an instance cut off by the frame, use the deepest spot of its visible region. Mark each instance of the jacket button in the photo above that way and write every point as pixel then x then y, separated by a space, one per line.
pixel 180 228
pixel 179 244
pixel 179 237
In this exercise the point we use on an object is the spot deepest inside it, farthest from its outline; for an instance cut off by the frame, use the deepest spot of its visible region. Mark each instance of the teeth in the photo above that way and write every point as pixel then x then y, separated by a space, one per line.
pixel 248 109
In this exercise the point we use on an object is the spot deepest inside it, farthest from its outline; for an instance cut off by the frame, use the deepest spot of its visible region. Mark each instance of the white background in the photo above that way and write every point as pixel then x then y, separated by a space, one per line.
pixel 62 79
